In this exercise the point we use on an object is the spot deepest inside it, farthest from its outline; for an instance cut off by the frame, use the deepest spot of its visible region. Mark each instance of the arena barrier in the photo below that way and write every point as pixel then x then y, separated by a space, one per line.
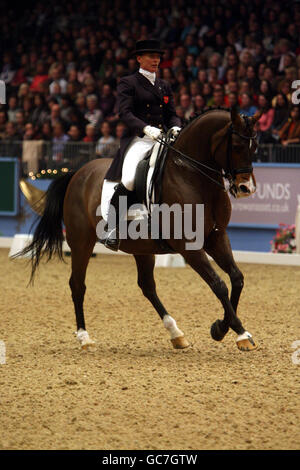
pixel 19 241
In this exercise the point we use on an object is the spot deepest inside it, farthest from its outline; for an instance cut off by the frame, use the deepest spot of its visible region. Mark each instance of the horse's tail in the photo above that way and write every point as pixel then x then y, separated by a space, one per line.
pixel 48 234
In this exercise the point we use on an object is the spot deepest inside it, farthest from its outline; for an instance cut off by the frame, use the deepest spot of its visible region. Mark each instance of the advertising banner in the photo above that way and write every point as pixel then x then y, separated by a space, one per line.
pixel 276 198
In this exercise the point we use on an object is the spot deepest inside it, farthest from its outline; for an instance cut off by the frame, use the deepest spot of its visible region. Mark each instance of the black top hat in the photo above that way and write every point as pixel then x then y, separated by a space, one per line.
pixel 148 45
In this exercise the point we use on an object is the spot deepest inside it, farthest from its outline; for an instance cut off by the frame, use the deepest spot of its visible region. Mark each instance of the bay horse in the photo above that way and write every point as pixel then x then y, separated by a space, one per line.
pixel 216 144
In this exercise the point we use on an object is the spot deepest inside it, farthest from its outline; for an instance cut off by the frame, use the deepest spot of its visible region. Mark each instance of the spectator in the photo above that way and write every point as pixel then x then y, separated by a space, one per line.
pixel 93 115
pixel 266 120
pixel 75 133
pixel 107 101
pixel 187 105
pixel 40 76
pixel 40 113
pixel 46 132
pixel 58 141
pixel 20 123
pixel 12 109
pixel 56 77
pixel 246 106
pixel 281 113
pixel 106 145
pixel 290 132
pixel 90 134
pixel 3 122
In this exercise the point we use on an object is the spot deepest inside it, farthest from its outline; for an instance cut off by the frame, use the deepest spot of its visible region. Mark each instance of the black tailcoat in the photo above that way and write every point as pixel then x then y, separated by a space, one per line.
pixel 141 104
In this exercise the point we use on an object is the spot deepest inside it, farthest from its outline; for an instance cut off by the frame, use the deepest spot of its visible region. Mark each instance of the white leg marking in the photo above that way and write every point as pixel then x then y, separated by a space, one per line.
pixel 171 326
pixel 83 338
pixel 245 335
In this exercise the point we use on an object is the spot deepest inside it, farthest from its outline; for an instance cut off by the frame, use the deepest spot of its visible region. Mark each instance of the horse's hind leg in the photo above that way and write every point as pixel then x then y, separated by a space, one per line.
pixel 200 263
pixel 145 266
pixel 81 250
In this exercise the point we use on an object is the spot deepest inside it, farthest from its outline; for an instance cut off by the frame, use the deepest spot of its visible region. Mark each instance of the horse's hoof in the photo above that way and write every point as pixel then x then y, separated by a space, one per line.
pixel 180 342
pixel 88 345
pixel 245 342
pixel 84 339
pixel 216 331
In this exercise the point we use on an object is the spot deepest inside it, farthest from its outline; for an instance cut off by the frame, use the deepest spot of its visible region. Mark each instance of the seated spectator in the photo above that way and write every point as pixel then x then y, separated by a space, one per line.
pixel 12 109
pixel 11 132
pixel 40 76
pixel 120 128
pixel 29 132
pixel 28 108
pixel 290 132
pixel 20 123
pixel 3 122
pixel 107 101
pixel 199 104
pixel 281 113
pixel 266 120
pixel 56 77
pixel 90 133
pixel 58 141
pixel 246 106
pixel 93 115
pixel 40 113
pixel 23 93
pixel 106 145
pixel 46 131
pixel 54 114
pixel 187 105
pixel 74 133
pixel 218 97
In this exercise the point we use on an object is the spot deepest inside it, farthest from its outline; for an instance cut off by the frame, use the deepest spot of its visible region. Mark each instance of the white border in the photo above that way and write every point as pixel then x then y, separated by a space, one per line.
pixel 176 260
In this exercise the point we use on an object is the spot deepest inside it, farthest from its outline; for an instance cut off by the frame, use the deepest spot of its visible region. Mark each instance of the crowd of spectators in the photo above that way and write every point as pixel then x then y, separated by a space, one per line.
pixel 62 63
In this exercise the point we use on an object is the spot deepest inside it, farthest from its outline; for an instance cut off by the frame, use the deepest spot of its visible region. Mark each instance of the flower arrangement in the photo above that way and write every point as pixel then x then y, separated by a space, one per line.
pixel 284 240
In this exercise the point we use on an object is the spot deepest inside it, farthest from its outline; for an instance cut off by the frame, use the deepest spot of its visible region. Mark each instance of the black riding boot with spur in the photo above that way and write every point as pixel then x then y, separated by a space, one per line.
pixel 110 237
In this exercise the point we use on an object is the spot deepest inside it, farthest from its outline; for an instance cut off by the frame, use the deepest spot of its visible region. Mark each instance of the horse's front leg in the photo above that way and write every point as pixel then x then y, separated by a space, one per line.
pixel 145 266
pixel 218 247
pixel 199 262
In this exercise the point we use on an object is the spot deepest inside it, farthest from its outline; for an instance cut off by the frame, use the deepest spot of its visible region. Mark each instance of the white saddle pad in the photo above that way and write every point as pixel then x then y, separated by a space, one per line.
pixel 109 187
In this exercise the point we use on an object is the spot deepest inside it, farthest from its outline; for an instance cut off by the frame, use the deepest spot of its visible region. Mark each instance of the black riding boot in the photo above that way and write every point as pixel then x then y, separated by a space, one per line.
pixel 110 237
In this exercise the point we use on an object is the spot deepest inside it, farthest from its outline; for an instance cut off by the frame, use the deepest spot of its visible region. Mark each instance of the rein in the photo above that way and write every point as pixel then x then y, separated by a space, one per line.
pixel 230 172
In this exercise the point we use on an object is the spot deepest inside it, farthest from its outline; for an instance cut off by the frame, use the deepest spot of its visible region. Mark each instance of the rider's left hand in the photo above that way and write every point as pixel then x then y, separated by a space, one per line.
pixel 175 131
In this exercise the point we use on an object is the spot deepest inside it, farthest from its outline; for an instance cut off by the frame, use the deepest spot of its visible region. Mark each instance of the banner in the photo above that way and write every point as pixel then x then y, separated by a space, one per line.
pixel 276 198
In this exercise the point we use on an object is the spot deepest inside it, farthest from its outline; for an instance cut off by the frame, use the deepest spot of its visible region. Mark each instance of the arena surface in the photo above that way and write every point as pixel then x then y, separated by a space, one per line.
pixel 133 391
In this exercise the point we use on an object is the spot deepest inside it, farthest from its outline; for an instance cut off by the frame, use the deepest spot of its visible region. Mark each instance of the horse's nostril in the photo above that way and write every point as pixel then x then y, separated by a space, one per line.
pixel 244 188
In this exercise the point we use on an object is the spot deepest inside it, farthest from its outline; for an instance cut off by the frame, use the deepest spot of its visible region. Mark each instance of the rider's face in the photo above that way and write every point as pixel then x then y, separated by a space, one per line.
pixel 149 62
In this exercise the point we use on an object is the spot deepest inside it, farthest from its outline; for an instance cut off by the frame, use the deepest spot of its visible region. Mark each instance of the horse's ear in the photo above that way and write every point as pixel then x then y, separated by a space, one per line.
pixel 256 117
pixel 235 117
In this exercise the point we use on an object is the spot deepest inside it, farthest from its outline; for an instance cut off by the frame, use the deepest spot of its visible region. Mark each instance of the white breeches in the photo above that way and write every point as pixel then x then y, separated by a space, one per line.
pixel 134 154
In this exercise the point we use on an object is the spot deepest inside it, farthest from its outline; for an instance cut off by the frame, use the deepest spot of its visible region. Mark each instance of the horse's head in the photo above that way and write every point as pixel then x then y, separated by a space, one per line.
pixel 243 146
pixel 234 147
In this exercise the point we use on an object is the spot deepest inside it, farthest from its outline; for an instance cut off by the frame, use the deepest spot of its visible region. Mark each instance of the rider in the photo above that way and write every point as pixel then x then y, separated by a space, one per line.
pixel 146 106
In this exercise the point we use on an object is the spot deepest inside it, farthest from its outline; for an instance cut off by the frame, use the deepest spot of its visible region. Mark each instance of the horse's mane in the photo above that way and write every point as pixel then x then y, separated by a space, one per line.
pixel 204 111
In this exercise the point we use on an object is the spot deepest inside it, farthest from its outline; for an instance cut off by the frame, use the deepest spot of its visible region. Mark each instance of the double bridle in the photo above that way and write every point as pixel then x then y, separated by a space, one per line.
pixel 229 173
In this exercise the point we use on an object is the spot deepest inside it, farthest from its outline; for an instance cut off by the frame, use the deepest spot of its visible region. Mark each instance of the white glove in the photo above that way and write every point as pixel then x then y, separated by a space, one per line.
pixel 175 131
pixel 152 132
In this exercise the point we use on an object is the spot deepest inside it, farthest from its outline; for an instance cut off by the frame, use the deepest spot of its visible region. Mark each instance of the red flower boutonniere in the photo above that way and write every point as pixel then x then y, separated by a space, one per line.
pixel 166 99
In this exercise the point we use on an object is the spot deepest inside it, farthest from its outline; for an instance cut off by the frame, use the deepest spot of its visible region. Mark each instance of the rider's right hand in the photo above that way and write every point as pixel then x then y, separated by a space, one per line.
pixel 152 132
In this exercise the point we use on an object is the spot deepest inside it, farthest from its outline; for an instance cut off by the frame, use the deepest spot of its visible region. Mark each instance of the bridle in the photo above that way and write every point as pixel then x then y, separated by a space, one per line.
pixel 229 172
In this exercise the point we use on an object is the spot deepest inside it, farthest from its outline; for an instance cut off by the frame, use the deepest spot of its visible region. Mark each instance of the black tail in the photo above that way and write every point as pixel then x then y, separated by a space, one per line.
pixel 48 234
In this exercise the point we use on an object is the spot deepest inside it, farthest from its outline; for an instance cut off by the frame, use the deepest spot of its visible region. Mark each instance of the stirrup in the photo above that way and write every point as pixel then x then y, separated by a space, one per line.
pixel 111 240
